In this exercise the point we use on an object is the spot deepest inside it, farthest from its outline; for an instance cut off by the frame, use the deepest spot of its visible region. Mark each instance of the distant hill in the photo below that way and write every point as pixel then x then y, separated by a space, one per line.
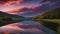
pixel 6 18
pixel 53 14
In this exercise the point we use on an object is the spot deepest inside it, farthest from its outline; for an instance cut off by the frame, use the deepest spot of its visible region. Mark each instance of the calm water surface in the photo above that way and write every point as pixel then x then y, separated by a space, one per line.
pixel 25 27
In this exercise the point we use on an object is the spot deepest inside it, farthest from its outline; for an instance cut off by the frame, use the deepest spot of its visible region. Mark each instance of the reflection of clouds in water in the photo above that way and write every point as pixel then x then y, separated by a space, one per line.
pixel 21 28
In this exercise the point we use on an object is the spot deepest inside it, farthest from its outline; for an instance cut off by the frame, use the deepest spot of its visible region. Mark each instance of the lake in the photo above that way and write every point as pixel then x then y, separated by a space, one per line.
pixel 25 27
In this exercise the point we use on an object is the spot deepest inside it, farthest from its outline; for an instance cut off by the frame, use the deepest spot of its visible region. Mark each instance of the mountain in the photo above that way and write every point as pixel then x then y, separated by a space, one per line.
pixel 6 18
pixel 50 19
pixel 53 14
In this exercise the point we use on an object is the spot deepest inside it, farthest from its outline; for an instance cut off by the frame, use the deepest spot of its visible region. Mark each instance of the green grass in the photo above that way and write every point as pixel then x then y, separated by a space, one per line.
pixel 52 20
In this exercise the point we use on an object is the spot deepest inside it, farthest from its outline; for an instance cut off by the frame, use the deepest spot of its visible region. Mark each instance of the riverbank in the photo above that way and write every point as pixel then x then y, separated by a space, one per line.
pixel 53 24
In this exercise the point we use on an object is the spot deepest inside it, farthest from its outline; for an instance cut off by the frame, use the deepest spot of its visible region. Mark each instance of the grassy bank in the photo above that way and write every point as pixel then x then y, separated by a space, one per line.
pixel 52 20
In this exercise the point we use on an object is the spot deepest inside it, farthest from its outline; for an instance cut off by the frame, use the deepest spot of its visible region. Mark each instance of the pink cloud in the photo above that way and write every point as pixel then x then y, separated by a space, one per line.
pixel 10 2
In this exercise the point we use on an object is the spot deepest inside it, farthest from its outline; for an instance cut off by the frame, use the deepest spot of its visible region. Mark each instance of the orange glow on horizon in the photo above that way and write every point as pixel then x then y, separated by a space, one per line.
pixel 7 32
pixel 15 10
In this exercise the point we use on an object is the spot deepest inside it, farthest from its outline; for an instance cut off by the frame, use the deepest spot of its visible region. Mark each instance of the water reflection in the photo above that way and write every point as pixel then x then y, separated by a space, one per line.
pixel 25 27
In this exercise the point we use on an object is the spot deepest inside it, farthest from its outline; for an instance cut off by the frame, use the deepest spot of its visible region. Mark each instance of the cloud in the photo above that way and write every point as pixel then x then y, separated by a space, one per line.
pixel 7 32
pixel 19 10
pixel 15 10
pixel 49 1
pixel 35 9
pixel 29 11
pixel 10 2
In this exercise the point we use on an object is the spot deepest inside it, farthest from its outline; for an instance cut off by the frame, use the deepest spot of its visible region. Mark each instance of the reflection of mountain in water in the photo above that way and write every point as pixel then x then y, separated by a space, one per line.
pixel 6 18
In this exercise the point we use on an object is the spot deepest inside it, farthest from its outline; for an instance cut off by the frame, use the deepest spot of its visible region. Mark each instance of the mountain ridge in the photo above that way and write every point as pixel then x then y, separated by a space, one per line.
pixel 6 18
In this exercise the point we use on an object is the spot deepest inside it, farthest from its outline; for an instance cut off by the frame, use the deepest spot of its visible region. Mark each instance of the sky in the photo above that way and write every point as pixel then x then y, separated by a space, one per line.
pixel 28 8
